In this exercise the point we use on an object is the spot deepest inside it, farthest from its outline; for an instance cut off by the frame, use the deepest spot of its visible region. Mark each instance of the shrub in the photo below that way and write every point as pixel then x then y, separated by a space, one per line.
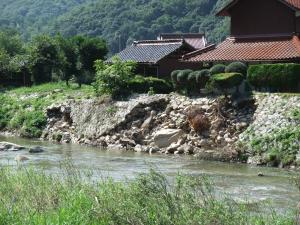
pixel 138 84
pixel 202 77
pixel 182 77
pixel 191 78
pixel 159 86
pixel 237 67
pixel 113 79
pixel 281 77
pixel 191 81
pixel 216 69
pixel 174 75
pixel 228 80
pixel 142 84
pixel 225 81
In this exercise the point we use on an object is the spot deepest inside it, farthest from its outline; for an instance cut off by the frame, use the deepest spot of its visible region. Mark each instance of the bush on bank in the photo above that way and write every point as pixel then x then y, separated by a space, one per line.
pixel 118 80
pixel 32 197
pixel 218 68
pixel 237 67
pixel 140 84
pixel 278 77
pixel 190 81
pixel 225 81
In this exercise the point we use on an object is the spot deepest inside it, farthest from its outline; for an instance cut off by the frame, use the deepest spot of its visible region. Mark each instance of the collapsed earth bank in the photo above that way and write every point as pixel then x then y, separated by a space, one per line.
pixel 205 127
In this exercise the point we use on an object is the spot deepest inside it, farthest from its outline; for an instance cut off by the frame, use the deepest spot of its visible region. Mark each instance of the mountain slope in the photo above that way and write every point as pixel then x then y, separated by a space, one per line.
pixel 119 22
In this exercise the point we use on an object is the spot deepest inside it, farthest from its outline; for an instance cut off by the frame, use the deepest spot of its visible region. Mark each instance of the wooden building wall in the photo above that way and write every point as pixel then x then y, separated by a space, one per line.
pixel 258 17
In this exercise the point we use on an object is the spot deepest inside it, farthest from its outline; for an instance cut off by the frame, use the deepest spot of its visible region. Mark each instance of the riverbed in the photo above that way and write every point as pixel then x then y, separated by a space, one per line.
pixel 238 181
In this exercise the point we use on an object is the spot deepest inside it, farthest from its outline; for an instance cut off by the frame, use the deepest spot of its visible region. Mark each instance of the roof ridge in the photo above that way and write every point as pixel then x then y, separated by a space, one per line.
pixel 159 41
pixel 199 51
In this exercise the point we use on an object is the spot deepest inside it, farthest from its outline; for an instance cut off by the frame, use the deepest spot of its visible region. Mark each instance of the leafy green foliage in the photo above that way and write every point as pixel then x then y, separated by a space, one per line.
pixel 188 81
pixel 237 67
pixel 140 84
pixel 75 198
pixel 14 63
pixel 225 81
pixel 71 65
pixel 90 50
pixel 113 79
pixel 279 77
pixel 218 68
pixel 11 43
pixel 113 20
pixel 182 77
pixel 46 58
pixel 202 77
pixel 174 75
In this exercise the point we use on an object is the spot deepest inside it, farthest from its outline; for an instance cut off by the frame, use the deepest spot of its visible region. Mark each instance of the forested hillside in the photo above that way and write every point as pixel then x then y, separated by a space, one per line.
pixel 119 22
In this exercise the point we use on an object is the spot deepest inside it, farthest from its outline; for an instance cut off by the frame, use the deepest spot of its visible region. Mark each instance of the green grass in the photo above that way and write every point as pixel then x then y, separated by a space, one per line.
pixel 32 197
pixel 23 109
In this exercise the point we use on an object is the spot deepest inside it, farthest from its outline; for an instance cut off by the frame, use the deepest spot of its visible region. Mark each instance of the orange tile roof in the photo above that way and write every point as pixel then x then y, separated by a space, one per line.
pixel 253 49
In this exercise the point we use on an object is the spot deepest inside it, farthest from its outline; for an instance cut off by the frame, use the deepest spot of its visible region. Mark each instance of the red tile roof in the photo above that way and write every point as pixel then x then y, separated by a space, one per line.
pixel 295 4
pixel 254 49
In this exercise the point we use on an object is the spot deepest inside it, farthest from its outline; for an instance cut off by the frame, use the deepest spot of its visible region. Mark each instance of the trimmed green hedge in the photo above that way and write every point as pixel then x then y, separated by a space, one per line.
pixel 216 69
pixel 227 80
pixel 202 77
pixel 142 84
pixel 280 77
pixel 237 67
pixel 174 76
pixel 182 76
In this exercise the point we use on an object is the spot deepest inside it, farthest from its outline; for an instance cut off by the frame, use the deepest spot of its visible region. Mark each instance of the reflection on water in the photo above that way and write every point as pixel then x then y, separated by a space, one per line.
pixel 236 180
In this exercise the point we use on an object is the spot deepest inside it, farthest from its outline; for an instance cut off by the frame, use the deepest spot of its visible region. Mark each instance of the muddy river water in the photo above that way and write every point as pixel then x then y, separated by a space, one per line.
pixel 239 181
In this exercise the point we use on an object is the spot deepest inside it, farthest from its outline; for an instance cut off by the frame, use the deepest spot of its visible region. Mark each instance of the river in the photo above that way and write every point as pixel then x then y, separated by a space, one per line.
pixel 239 181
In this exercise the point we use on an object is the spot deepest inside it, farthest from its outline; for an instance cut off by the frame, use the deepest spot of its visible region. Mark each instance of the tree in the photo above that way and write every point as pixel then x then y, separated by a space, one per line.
pixel 72 65
pixel 46 58
pixel 4 62
pixel 11 42
pixel 90 49
pixel 113 79
pixel 20 65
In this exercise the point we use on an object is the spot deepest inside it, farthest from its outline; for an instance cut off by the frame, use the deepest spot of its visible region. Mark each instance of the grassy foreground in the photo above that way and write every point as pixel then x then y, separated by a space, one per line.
pixel 32 197
pixel 23 109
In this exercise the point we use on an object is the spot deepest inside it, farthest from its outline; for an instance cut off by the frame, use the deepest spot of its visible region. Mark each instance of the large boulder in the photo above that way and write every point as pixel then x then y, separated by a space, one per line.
pixel 165 137
pixel 6 146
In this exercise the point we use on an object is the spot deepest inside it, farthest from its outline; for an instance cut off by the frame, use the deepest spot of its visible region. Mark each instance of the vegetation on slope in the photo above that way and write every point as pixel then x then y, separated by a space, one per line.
pixel 116 21
pixel 23 109
pixel 32 197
